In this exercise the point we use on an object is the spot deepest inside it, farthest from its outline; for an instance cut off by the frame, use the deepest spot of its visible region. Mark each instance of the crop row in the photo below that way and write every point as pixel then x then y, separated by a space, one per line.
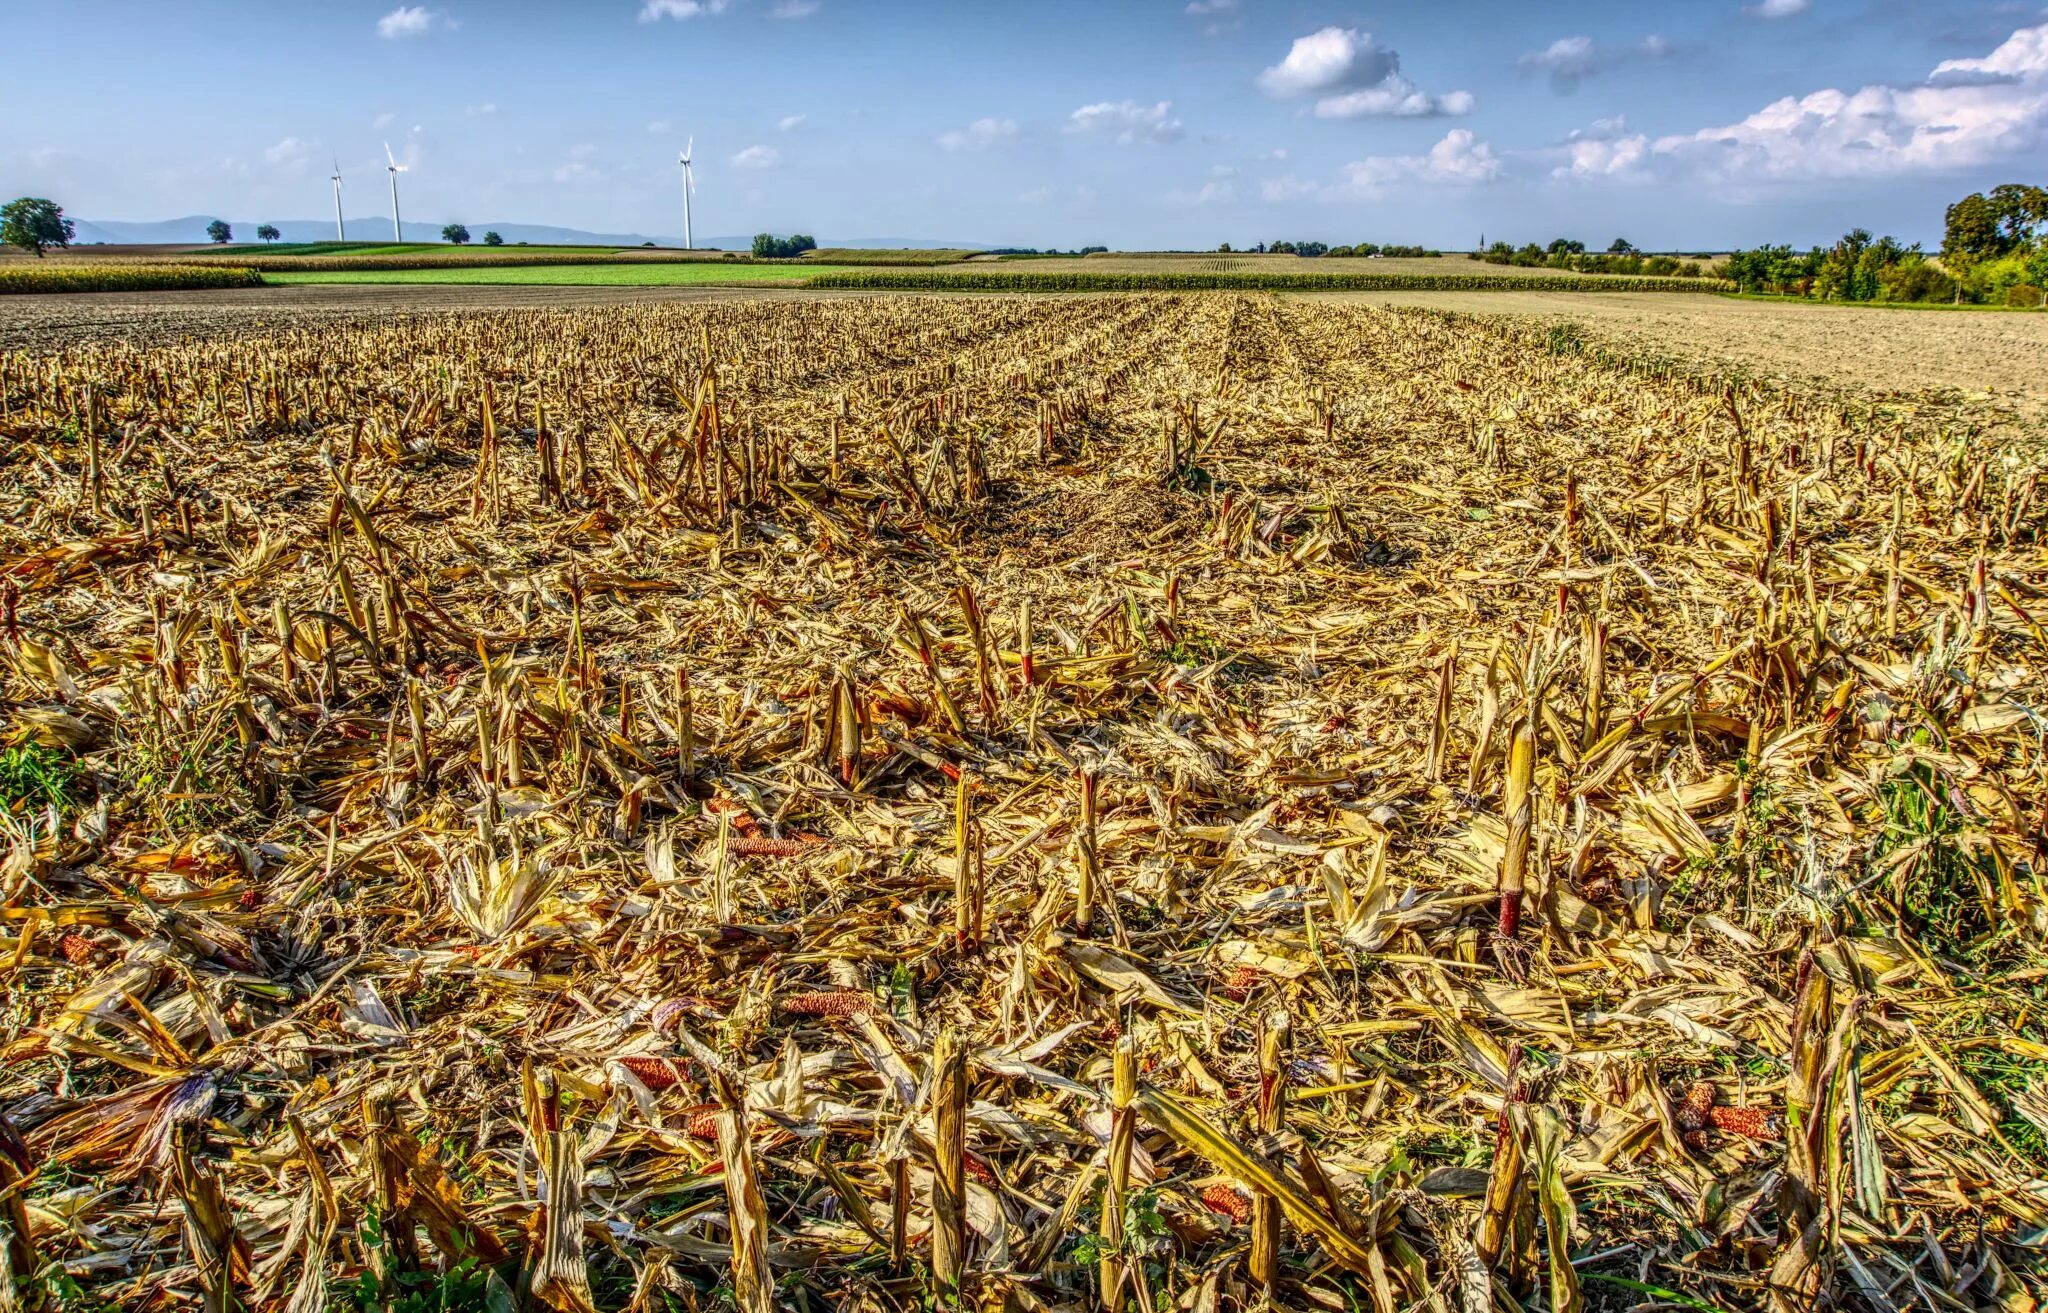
pixel 1032 280
pixel 27 277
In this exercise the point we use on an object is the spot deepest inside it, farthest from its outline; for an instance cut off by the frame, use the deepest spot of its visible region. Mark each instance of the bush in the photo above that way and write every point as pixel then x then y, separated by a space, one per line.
pixel 1915 280
pixel 767 246
pixel 2024 296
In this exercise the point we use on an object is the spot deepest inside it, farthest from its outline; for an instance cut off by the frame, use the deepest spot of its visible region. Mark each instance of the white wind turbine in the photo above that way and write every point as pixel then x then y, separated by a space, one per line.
pixel 689 185
pixel 340 233
pixel 397 232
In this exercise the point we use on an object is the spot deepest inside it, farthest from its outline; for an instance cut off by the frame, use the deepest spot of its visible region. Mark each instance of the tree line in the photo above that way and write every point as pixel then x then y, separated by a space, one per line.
pixel 767 246
pixel 1314 250
pixel 1620 257
pixel 1994 251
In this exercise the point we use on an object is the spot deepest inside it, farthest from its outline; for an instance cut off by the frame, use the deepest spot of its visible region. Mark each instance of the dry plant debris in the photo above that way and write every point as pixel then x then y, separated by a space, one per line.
pixel 1141 802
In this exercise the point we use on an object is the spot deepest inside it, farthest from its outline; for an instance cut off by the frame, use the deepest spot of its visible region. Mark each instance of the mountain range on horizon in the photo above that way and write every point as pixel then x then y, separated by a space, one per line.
pixel 375 228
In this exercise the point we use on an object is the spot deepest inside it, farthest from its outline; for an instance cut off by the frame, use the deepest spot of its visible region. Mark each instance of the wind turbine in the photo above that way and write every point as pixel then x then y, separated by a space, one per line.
pixel 397 232
pixel 689 185
pixel 340 233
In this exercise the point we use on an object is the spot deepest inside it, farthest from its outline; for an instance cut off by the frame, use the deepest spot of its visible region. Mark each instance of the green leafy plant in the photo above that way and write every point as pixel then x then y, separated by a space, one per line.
pixel 1940 885
pixel 33 776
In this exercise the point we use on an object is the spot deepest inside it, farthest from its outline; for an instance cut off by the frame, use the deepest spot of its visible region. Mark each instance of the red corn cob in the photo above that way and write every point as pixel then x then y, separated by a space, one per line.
pixel 1749 1123
pixel 76 948
pixel 1697 1113
pixel 1228 1201
pixel 760 845
pixel 655 1073
pixel 829 1003
pixel 1241 983
pixel 742 820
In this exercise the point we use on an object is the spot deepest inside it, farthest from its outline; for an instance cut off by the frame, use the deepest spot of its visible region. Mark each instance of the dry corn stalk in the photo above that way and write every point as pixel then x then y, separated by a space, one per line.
pixel 949 1170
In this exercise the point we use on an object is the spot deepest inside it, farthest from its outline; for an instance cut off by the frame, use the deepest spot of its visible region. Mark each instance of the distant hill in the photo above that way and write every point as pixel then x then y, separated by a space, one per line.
pixel 372 228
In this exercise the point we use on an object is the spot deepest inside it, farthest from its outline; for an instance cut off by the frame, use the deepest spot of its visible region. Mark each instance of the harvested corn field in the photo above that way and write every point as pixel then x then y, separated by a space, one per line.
pixel 1128 802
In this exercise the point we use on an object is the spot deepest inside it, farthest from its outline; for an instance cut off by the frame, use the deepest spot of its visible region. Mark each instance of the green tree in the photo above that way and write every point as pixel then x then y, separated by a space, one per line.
pixel 1971 233
pixel 268 233
pixel 1836 278
pixel 219 233
pixel 2022 212
pixel 456 233
pixel 1622 246
pixel 492 239
pixel 33 223
pixel 767 246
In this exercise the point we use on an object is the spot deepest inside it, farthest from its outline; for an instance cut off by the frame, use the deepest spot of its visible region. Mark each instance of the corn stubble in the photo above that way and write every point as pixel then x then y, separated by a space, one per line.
pixel 795 804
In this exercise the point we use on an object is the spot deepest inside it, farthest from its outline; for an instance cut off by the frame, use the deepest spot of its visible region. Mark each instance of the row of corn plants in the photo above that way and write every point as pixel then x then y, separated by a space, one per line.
pixel 23 277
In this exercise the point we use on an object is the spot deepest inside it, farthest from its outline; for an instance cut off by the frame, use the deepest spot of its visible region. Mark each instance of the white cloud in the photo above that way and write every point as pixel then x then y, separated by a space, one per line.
pixel 796 8
pixel 1777 8
pixel 1568 56
pixel 1353 76
pixel 289 151
pixel 659 127
pixel 757 157
pixel 1128 121
pixel 1571 59
pixel 411 20
pixel 1459 160
pixel 482 111
pixel 979 135
pixel 1397 98
pixel 1211 6
pixel 1967 114
pixel 656 10
pixel 579 166
pixel 791 122
pixel 1606 149
pixel 384 120
pixel 1220 189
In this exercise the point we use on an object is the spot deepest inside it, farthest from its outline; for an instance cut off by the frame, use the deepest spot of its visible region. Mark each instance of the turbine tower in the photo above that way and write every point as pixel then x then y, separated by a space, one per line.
pixel 397 231
pixel 340 233
pixel 689 185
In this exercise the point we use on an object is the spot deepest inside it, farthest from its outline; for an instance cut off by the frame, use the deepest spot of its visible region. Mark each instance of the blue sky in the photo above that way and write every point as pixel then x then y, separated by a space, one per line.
pixel 1170 123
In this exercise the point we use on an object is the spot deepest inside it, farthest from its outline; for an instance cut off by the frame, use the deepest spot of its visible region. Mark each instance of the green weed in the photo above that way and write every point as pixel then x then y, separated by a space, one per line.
pixel 33 777
pixel 1943 889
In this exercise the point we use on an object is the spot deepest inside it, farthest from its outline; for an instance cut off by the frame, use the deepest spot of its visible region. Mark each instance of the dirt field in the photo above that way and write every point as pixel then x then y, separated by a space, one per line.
pixel 1985 356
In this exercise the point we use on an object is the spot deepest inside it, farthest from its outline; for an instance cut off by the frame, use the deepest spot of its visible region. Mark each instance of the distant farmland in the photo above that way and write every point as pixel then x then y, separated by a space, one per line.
pixel 652 273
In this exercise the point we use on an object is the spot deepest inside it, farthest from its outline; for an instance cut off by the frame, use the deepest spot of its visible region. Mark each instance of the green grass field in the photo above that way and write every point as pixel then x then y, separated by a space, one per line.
pixel 651 274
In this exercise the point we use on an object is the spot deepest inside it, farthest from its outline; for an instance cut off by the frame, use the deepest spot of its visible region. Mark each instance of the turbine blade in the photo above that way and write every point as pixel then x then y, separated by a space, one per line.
pixel 389 157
